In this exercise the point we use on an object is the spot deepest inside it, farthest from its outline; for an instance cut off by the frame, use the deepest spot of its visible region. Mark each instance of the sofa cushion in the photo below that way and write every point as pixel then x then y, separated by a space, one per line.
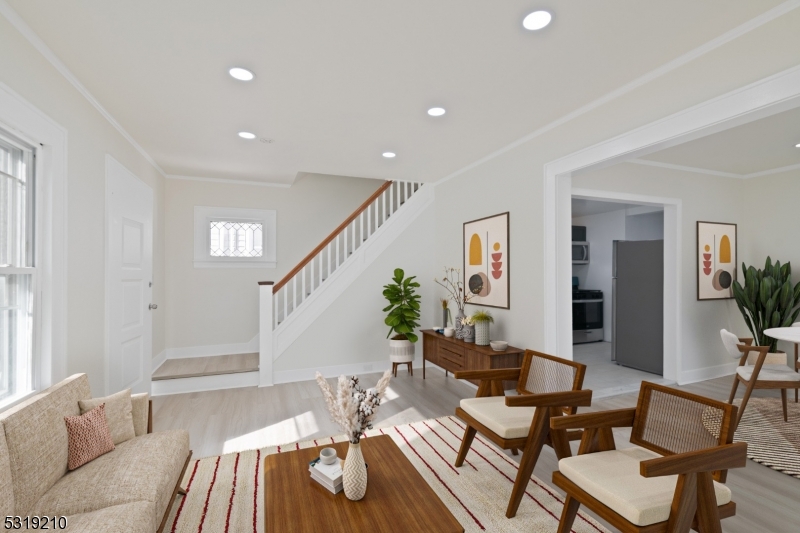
pixel 492 412
pixel 37 439
pixel 613 478
pixel 140 408
pixel 118 414
pixel 126 518
pixel 89 436
pixel 144 468
pixel 6 483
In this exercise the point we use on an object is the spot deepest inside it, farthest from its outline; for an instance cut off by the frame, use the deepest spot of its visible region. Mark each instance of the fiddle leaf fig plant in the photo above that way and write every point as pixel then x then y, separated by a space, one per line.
pixel 767 300
pixel 403 306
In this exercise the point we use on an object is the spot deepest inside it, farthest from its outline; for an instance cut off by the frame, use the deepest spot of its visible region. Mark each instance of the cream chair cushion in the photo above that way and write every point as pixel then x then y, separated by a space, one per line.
pixel 507 422
pixel 769 373
pixel 613 479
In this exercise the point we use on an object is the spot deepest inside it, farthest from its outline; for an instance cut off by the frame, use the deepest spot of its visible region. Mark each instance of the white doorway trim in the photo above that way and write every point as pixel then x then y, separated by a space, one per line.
pixel 672 268
pixel 763 98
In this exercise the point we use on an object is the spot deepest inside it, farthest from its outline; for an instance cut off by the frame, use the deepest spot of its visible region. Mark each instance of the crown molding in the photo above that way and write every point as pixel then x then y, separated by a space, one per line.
pixel 713 44
pixel 21 26
pixel 684 168
pixel 772 171
pixel 227 181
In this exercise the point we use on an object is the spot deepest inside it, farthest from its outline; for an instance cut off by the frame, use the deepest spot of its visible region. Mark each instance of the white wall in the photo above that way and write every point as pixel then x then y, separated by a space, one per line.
pixel 511 179
pixel 644 227
pixel 211 306
pixel 601 231
pixel 90 137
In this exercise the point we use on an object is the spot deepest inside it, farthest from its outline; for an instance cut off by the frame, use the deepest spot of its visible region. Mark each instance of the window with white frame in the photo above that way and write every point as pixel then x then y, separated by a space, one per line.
pixel 18 272
pixel 234 237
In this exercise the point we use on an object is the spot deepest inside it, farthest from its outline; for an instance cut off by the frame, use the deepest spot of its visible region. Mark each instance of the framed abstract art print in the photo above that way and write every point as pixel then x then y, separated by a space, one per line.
pixel 716 260
pixel 486 261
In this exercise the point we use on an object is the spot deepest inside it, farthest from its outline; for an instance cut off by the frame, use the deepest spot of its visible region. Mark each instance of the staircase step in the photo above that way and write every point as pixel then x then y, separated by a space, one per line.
pixel 214 365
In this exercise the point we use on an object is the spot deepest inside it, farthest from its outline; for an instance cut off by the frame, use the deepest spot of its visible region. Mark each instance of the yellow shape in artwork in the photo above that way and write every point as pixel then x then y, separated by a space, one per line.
pixel 496 246
pixel 475 251
pixel 725 249
pixel 708 248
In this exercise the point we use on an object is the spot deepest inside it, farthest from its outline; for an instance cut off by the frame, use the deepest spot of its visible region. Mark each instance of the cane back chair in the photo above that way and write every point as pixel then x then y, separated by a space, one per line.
pixel 671 480
pixel 548 387
pixel 759 375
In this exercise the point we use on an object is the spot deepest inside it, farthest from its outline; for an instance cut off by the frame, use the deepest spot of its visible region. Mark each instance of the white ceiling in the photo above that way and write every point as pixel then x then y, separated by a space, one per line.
pixel 338 83
pixel 759 147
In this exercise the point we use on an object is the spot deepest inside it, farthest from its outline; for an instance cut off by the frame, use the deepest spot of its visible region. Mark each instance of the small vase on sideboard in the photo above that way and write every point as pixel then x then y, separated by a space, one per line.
pixel 469 333
pixel 482 333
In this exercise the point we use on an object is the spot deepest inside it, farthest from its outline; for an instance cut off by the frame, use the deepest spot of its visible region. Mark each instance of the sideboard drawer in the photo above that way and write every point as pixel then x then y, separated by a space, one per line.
pixel 454 350
pixel 451 359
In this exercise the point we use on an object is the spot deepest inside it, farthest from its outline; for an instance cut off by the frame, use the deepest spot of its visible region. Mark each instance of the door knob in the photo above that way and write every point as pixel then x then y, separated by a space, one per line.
pixel 152 306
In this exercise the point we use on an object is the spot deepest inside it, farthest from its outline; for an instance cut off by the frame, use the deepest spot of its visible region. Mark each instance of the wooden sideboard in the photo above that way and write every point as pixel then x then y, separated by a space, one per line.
pixel 452 354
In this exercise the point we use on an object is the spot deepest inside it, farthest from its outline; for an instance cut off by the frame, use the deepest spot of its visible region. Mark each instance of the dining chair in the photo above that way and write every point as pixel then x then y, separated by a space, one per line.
pixel 671 480
pixel 548 387
pixel 758 375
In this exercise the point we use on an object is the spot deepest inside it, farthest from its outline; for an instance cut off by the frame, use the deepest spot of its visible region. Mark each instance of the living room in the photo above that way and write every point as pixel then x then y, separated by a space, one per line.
pixel 345 162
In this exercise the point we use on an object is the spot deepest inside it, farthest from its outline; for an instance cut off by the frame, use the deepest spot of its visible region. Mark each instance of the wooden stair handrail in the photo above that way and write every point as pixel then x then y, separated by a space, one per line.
pixel 307 259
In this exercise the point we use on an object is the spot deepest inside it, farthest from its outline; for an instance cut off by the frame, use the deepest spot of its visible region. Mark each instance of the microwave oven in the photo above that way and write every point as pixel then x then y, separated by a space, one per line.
pixel 580 253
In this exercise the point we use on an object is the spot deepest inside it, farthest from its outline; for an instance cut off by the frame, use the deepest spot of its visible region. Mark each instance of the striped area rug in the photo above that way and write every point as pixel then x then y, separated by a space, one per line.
pixel 225 492
pixel 771 441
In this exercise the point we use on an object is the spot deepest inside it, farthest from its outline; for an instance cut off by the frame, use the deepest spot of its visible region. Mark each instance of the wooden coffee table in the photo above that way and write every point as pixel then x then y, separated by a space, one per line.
pixel 397 499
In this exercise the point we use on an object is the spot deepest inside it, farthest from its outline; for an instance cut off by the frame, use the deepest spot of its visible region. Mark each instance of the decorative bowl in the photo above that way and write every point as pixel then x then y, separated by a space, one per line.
pixel 449 332
pixel 498 346
pixel 327 456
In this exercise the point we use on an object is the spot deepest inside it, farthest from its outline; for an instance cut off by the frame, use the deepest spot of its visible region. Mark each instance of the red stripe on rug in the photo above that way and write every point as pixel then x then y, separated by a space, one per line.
pixel 516 466
pixel 447 443
pixel 435 450
pixel 208 495
pixel 279 449
pixel 296 445
pixel 233 493
pixel 185 497
pixel 255 493
pixel 397 429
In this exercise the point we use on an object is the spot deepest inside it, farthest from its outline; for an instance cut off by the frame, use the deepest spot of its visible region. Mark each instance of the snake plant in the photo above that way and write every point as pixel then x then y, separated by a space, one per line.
pixel 767 300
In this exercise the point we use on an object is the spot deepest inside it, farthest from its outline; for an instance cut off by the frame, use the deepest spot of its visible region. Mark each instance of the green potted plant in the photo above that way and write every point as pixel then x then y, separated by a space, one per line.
pixel 767 300
pixel 402 317
pixel 481 320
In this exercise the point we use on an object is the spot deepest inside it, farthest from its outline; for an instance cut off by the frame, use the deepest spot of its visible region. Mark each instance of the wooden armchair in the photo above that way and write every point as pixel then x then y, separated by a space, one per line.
pixel 758 375
pixel 670 481
pixel 548 387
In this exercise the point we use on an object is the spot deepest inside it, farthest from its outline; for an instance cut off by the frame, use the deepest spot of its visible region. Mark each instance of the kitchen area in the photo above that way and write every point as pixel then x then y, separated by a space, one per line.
pixel 617 293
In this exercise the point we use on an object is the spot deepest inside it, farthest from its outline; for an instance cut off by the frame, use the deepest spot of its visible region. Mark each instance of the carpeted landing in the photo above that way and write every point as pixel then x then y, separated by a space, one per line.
pixel 225 493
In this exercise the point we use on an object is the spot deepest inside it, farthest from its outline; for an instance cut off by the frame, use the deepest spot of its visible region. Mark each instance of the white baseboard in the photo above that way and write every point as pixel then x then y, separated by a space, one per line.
pixel 709 372
pixel 158 361
pixel 352 369
pixel 164 387
pixel 214 349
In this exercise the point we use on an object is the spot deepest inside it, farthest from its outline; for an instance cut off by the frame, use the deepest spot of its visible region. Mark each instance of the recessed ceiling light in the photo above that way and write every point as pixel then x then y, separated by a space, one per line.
pixel 247 135
pixel 797 145
pixel 436 111
pixel 389 155
pixel 537 20
pixel 241 74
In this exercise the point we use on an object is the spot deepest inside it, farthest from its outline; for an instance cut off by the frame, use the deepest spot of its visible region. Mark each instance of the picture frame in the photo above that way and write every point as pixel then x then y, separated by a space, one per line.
pixel 487 261
pixel 717 251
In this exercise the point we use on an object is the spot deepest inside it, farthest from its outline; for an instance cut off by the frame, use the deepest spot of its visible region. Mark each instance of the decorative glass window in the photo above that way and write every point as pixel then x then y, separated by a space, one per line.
pixel 232 237
pixel 235 239
pixel 17 268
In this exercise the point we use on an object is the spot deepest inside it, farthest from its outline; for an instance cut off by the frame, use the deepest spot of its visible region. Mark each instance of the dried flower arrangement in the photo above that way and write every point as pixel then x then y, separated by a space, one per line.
pixel 352 407
pixel 452 282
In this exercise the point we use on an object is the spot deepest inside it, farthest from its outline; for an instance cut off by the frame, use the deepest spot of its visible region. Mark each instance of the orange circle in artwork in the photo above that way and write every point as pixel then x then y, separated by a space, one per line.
pixel 496 246
pixel 708 248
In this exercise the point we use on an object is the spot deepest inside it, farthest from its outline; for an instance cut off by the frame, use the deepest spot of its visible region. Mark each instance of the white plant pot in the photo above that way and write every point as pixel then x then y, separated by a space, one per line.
pixel 401 351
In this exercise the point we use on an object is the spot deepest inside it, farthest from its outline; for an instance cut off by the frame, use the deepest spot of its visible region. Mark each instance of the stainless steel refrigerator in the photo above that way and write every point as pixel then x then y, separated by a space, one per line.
pixel 637 305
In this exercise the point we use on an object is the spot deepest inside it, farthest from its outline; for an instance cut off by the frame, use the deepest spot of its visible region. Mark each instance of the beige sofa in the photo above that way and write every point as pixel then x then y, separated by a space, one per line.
pixel 128 490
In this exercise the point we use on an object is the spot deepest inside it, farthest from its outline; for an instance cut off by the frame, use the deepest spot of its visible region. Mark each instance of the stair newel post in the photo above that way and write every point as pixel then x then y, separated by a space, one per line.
pixel 265 330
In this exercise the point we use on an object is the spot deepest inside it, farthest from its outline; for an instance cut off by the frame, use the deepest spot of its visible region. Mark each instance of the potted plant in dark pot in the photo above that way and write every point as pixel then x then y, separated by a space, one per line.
pixel 768 300
pixel 402 317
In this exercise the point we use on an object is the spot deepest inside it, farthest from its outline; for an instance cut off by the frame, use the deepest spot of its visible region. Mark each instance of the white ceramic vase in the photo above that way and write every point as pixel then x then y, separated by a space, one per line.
pixel 482 333
pixel 354 473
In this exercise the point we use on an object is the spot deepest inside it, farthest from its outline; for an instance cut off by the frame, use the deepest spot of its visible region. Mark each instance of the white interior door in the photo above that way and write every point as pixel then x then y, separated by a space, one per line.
pixel 129 276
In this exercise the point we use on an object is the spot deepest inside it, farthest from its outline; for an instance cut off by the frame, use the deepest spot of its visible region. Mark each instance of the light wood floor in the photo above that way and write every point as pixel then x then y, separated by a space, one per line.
pixel 236 419
pixel 206 366
pixel 605 377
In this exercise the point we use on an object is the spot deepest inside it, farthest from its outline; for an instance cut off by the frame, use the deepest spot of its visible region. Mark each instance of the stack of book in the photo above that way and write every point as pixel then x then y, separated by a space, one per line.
pixel 329 476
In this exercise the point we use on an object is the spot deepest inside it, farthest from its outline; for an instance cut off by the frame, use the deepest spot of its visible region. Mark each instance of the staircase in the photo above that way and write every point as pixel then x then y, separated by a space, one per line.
pixel 291 305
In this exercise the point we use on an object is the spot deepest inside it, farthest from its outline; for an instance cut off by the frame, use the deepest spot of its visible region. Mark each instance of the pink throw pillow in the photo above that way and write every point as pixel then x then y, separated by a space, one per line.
pixel 89 436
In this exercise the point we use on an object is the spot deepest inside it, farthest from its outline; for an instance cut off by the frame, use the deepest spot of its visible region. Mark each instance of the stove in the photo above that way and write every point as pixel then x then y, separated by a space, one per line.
pixel 587 316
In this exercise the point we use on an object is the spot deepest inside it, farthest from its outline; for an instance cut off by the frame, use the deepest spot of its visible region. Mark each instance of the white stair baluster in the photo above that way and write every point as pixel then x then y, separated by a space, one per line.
pixel 383 195
pixel 391 197
pixel 369 220
pixel 274 313
pixel 303 285
pixel 337 252
pixel 361 221
pixel 329 260
pixel 285 293
pixel 319 272
pixel 294 293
